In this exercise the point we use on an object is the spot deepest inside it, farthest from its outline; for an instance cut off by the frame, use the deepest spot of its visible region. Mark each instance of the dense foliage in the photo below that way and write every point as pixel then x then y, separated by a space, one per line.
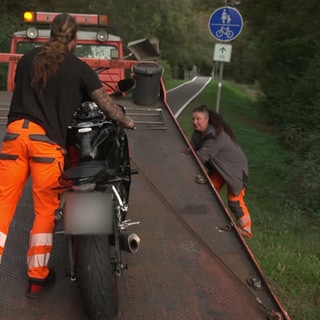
pixel 286 40
pixel 278 49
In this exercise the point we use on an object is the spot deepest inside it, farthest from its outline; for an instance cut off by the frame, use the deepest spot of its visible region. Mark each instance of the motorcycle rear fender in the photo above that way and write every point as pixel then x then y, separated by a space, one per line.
pixel 89 213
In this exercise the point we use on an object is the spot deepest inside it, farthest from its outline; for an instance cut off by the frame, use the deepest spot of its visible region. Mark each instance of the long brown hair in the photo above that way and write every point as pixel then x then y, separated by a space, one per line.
pixel 216 120
pixel 52 54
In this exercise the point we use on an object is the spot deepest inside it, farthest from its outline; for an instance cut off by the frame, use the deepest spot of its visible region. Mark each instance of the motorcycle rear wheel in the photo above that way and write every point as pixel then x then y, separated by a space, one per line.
pixel 97 280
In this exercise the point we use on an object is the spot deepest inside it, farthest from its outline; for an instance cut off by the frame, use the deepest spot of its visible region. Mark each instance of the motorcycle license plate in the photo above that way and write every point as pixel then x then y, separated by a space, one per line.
pixel 88 213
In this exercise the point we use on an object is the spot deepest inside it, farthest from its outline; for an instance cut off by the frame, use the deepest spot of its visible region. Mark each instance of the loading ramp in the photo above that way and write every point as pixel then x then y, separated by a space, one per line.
pixel 188 267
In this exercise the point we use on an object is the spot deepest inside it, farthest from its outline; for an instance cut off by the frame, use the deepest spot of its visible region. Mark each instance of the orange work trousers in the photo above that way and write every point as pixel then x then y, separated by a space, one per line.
pixel 26 150
pixel 235 202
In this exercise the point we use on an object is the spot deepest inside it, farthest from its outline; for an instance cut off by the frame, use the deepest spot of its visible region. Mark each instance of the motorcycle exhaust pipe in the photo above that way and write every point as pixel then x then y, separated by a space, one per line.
pixel 130 242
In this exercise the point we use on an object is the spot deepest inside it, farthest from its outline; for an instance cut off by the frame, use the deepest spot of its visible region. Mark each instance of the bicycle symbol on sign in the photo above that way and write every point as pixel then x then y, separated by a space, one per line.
pixel 224 31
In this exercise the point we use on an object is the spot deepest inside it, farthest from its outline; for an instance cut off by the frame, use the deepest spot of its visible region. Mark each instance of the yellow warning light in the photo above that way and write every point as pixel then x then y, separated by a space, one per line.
pixel 28 16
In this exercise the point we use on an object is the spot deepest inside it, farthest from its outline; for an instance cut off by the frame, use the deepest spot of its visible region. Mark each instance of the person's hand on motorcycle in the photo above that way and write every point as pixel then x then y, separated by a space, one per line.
pixel 110 108
pixel 129 123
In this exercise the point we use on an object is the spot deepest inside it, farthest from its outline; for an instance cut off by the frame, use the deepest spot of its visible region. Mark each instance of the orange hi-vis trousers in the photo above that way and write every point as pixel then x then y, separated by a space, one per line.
pixel 26 150
pixel 235 203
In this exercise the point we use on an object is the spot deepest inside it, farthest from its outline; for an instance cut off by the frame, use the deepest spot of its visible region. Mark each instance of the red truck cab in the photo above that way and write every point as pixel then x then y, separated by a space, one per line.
pixel 95 45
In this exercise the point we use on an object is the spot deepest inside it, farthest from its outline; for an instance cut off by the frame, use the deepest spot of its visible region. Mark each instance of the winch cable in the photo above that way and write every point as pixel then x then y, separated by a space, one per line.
pixel 270 314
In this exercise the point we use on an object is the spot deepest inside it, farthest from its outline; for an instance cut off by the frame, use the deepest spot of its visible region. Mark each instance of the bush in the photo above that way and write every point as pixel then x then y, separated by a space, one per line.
pixel 167 75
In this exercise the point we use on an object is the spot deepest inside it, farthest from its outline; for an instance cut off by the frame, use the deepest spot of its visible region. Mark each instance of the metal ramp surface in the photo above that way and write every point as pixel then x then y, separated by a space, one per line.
pixel 147 117
pixel 188 267
pixel 3 114
pixel 5 98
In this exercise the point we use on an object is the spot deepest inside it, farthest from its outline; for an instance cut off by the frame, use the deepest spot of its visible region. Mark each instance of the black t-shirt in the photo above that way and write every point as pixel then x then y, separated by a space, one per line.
pixel 53 108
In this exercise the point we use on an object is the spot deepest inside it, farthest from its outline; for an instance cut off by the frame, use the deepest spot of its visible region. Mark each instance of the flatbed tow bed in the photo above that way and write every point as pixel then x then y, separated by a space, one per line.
pixel 188 266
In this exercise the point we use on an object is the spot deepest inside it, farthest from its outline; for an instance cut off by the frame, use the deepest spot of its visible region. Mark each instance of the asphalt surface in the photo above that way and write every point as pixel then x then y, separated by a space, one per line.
pixel 191 89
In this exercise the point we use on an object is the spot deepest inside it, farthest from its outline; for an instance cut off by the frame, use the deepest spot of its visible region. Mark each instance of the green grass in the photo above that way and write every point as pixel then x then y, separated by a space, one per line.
pixel 286 240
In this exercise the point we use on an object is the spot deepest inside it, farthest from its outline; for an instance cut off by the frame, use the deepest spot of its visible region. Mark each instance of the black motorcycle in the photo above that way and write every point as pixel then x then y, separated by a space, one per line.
pixel 94 208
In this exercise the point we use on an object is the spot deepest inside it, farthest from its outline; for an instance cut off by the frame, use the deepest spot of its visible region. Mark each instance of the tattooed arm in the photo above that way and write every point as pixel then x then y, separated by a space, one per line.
pixel 110 108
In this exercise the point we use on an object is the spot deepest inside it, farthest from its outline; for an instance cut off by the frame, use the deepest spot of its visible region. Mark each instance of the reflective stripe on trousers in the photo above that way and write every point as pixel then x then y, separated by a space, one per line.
pixel 26 150
pixel 235 202
pixel 3 238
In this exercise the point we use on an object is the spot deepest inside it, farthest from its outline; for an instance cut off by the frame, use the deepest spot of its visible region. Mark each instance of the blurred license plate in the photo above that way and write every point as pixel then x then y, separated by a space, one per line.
pixel 88 213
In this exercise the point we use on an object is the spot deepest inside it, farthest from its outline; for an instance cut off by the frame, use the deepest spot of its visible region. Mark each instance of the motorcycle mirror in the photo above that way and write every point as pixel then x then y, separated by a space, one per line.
pixel 126 84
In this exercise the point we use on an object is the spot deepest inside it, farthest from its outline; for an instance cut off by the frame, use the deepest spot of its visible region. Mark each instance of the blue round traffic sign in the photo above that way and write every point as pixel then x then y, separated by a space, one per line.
pixel 225 24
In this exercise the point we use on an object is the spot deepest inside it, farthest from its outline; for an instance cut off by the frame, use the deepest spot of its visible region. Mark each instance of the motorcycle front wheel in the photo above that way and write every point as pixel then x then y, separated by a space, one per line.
pixel 97 279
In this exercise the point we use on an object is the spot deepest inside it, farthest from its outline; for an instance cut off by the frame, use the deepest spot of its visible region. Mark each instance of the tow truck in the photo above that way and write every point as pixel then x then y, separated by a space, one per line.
pixel 103 51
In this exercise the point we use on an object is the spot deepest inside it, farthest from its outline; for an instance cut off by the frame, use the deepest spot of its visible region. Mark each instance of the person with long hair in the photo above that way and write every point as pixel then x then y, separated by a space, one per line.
pixel 217 148
pixel 50 83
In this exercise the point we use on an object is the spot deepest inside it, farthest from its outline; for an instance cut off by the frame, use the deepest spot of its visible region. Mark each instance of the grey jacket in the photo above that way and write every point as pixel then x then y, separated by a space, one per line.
pixel 224 155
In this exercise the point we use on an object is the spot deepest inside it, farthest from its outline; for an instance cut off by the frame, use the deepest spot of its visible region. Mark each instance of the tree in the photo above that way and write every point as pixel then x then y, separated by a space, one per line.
pixel 286 37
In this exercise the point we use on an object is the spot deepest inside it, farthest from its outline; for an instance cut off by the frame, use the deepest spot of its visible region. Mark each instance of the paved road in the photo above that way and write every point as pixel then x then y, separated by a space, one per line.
pixel 179 97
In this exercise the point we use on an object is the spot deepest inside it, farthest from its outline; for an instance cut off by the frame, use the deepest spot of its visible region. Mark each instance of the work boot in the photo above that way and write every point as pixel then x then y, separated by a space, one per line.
pixel 245 226
pixel 36 287
pixel 245 233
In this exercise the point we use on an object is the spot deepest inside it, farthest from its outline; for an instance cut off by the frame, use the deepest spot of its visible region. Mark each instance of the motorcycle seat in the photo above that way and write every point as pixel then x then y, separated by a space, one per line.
pixel 92 169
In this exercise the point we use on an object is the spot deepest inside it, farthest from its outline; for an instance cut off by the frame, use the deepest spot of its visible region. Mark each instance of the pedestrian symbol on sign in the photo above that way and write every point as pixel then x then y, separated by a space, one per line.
pixel 225 17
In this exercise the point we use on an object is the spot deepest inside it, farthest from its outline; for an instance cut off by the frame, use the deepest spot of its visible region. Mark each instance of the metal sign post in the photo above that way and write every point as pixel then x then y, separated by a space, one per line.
pixel 225 24
pixel 219 87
